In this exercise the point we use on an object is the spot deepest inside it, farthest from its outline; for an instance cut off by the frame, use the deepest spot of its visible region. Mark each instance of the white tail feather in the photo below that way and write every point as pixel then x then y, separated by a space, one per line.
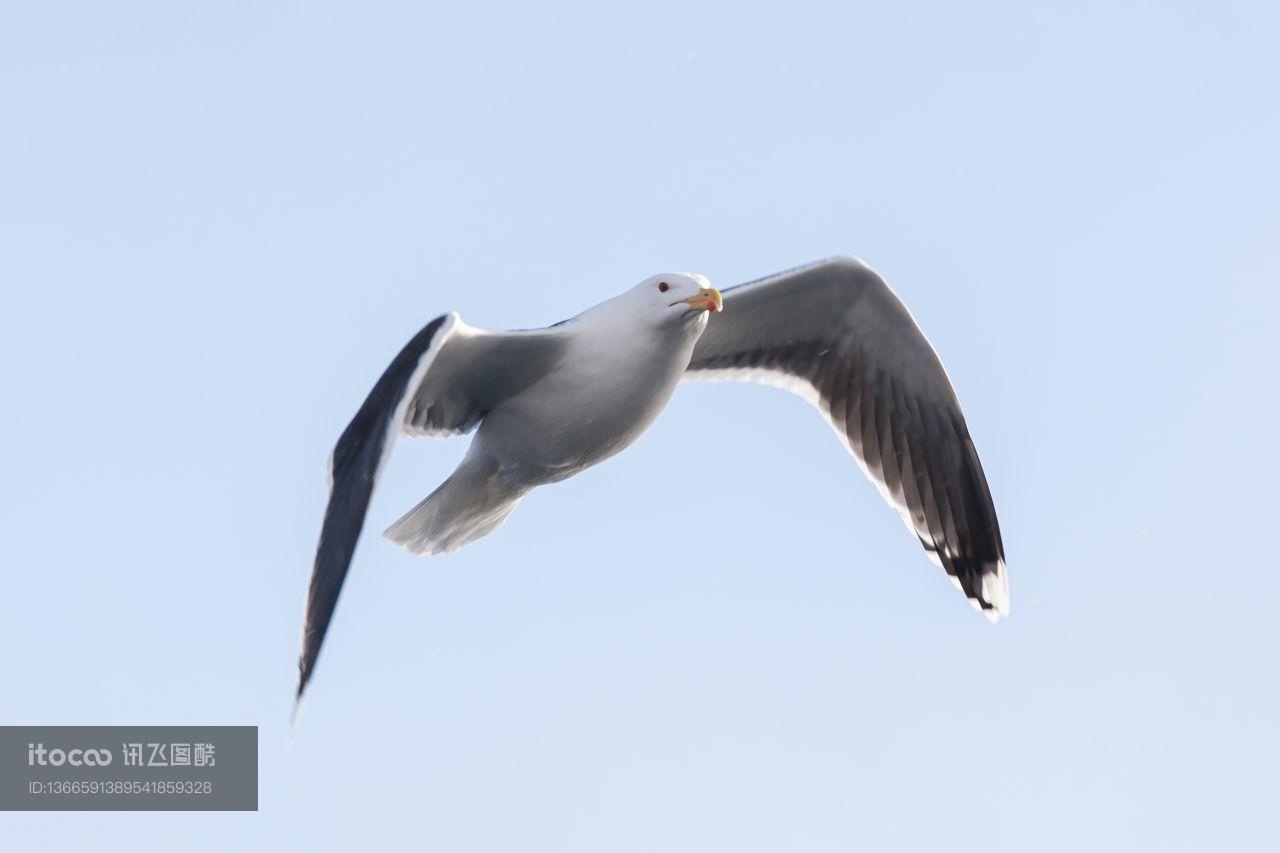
pixel 468 505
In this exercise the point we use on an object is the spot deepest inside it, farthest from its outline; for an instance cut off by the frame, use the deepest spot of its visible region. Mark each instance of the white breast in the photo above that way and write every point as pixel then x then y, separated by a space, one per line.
pixel 610 386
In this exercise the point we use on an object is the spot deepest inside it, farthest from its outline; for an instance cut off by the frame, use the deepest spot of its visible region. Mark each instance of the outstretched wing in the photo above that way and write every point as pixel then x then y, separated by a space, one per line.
pixel 834 333
pixel 442 383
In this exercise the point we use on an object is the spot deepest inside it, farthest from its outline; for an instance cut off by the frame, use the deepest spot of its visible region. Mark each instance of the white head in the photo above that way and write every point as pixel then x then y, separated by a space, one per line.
pixel 674 297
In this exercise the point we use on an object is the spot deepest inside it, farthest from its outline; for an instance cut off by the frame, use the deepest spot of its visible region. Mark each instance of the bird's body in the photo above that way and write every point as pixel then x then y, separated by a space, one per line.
pixel 613 383
pixel 608 382
pixel 549 403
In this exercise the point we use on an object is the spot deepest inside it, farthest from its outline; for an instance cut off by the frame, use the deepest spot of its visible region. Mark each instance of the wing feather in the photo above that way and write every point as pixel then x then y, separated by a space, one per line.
pixel 443 382
pixel 835 333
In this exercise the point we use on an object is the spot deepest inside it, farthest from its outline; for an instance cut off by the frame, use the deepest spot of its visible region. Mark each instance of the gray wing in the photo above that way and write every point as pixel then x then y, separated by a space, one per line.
pixel 442 382
pixel 835 333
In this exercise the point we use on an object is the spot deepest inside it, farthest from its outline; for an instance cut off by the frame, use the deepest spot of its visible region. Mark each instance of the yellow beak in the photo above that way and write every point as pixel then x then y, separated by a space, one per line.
pixel 707 298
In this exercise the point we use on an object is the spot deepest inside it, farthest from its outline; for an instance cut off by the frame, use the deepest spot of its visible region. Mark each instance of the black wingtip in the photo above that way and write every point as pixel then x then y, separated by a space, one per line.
pixel 304 677
pixel 353 470
pixel 307 663
pixel 293 712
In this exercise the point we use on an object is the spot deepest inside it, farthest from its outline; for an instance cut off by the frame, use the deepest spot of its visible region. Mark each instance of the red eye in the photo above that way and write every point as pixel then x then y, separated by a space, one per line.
pixel 663 287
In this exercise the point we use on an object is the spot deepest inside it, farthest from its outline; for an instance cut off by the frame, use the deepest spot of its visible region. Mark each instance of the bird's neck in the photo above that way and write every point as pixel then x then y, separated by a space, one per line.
pixel 613 332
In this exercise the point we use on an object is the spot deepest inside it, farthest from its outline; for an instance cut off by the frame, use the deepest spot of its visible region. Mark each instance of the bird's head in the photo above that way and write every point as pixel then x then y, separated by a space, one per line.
pixel 676 296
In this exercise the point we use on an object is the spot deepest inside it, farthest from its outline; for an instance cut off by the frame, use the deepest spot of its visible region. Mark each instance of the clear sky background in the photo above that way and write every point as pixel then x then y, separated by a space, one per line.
pixel 218 222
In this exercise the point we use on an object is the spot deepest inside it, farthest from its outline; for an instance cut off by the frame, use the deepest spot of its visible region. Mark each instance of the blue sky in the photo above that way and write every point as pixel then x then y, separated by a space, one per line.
pixel 219 221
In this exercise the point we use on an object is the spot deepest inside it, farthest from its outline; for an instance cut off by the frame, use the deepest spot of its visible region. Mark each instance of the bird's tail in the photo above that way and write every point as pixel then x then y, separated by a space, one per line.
pixel 468 505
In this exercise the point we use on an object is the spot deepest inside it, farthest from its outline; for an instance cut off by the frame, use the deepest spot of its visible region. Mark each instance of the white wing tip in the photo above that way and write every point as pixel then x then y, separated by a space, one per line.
pixel 995 591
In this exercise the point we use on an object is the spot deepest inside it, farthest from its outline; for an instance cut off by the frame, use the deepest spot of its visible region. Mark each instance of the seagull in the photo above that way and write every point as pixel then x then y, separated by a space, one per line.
pixel 548 403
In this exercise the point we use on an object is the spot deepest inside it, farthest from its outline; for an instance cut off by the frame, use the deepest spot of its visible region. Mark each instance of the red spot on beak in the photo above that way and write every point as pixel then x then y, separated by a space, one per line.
pixel 711 305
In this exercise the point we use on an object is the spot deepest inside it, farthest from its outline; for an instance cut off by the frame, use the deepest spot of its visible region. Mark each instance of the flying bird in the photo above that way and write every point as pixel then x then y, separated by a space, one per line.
pixel 549 403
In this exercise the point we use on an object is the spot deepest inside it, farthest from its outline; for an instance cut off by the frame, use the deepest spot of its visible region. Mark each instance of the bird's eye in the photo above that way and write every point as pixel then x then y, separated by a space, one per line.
pixel 663 287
